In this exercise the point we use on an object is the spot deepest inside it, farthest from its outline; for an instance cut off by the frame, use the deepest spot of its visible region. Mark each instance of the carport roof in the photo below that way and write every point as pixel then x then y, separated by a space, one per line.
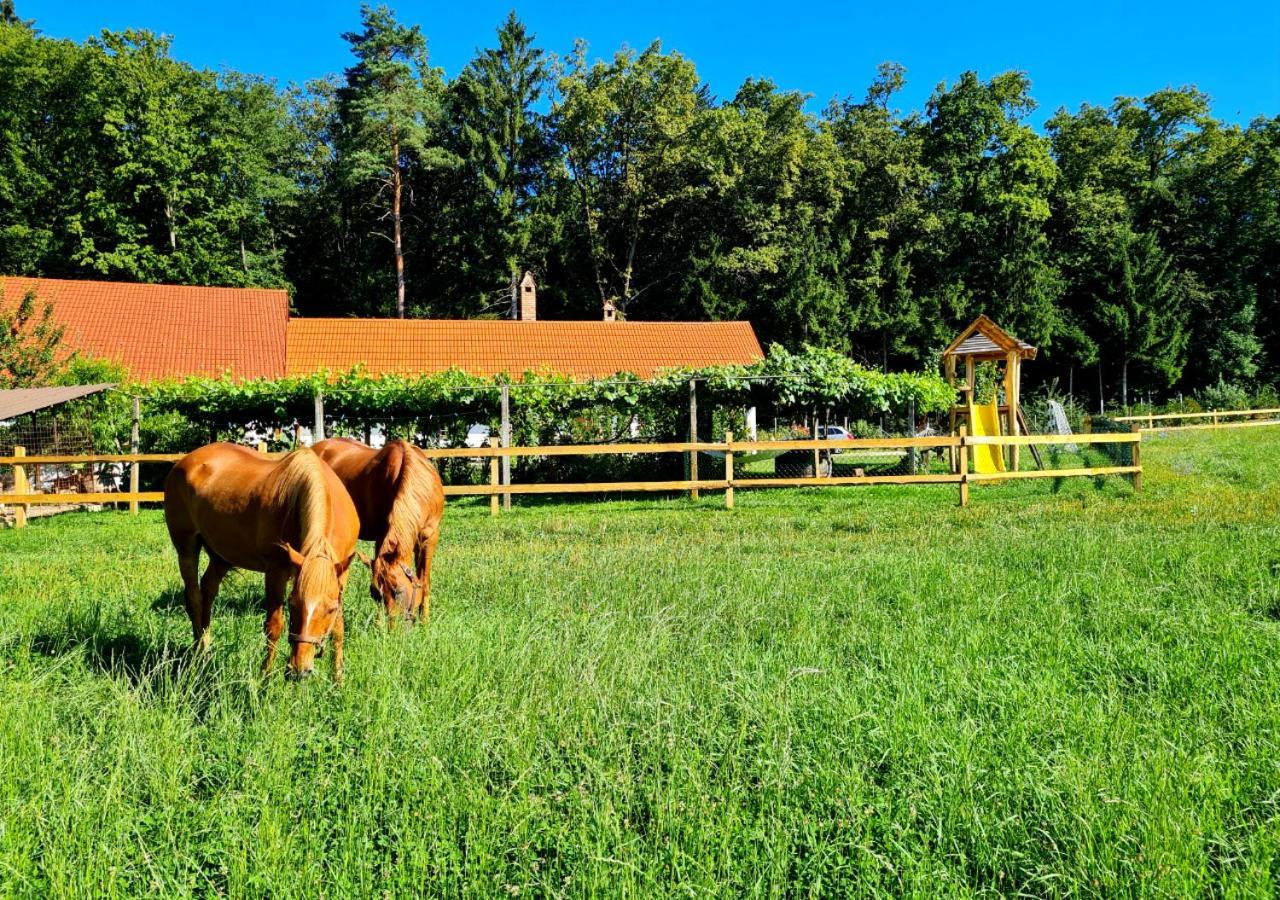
pixel 20 401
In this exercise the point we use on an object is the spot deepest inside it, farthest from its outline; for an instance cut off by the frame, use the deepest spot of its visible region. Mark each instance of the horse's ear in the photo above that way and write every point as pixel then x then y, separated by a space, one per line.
pixel 389 550
pixel 364 559
pixel 294 556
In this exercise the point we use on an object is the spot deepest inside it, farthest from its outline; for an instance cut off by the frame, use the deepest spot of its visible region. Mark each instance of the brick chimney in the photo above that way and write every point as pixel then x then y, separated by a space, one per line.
pixel 610 311
pixel 524 302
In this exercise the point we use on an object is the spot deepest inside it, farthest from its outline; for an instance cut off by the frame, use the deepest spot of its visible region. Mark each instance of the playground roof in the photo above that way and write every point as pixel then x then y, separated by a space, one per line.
pixel 984 339
pixel 20 401
pixel 493 346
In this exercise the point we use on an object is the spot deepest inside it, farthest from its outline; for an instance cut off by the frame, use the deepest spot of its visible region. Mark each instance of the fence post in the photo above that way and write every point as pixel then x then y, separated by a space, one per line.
pixel 1151 418
pixel 20 486
pixel 1086 425
pixel 1215 418
pixel 692 455
pixel 135 476
pixel 728 470
pixel 317 433
pixel 262 447
pixel 505 432
pixel 1137 459
pixel 493 477
pixel 817 454
pixel 963 454
pixel 913 453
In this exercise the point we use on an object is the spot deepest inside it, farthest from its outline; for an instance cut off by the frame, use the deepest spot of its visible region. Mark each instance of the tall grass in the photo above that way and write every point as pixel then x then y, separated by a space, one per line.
pixel 830 692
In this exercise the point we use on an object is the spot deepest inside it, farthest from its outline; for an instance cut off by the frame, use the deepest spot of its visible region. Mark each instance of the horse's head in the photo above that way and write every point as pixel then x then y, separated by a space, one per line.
pixel 315 606
pixel 391 578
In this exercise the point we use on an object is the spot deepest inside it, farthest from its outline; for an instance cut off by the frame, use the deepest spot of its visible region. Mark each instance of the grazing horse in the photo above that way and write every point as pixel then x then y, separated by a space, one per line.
pixel 289 518
pixel 399 497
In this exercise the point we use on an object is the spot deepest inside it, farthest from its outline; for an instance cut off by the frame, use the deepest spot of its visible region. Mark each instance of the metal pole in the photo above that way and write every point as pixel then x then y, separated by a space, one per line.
pixel 135 477
pixel 317 433
pixel 505 432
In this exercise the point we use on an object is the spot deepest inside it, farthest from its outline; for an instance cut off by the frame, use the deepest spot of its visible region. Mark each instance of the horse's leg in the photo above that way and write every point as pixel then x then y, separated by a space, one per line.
pixel 188 547
pixel 338 629
pixel 424 574
pixel 277 583
pixel 209 584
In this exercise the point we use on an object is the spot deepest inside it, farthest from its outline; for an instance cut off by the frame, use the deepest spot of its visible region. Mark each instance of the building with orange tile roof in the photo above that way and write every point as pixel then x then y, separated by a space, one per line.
pixel 489 347
pixel 163 331
pixel 159 331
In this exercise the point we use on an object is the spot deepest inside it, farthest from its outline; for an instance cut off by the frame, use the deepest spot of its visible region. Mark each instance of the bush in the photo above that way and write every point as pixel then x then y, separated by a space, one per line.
pixel 1224 396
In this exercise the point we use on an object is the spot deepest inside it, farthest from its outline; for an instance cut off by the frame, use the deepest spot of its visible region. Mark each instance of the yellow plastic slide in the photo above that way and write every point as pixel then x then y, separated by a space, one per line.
pixel 984 421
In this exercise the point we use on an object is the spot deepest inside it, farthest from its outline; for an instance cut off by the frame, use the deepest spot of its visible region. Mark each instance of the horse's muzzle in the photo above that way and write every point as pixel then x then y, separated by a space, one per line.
pixel 296 675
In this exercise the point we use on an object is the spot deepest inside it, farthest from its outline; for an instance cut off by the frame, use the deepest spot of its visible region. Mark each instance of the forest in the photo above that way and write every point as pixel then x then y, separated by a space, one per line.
pixel 1136 244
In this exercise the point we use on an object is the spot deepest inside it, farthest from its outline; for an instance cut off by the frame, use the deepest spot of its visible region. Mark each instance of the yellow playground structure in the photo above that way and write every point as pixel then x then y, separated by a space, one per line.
pixel 985 341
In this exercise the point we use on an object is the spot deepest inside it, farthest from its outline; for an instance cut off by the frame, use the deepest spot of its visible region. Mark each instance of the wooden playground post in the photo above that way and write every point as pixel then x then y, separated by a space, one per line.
pixel 135 474
pixel 962 452
pixel 728 470
pixel 493 477
pixel 20 486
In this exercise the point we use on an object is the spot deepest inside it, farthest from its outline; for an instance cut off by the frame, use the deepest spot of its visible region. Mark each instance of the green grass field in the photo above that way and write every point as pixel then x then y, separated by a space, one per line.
pixel 835 692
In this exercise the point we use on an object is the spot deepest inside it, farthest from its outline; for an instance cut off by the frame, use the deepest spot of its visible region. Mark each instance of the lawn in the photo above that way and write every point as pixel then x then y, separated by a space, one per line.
pixel 833 692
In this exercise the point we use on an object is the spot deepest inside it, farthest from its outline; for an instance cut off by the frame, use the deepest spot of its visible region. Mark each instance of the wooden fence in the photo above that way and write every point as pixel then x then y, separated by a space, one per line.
pixel 958 448
pixel 1148 422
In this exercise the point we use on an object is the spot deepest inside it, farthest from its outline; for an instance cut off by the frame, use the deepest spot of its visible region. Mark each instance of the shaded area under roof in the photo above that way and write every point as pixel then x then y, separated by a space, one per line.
pixel 20 401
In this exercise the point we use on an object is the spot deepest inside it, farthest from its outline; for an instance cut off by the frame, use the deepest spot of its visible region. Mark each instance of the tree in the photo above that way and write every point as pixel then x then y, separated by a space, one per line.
pixel 9 16
pixel 390 110
pixel 503 155
pixel 30 350
pixel 881 222
pixel 1145 312
pixel 627 129
pixel 992 180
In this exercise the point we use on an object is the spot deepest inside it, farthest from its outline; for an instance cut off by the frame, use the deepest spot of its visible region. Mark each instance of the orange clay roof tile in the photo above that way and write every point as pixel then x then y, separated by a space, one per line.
pixel 489 346
pixel 166 331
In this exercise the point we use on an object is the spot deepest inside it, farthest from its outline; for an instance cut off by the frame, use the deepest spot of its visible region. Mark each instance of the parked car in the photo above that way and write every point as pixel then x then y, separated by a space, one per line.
pixel 477 436
pixel 833 433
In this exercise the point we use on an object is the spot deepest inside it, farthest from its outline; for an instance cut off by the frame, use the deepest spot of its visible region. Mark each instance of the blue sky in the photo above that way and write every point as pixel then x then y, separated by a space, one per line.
pixel 1074 53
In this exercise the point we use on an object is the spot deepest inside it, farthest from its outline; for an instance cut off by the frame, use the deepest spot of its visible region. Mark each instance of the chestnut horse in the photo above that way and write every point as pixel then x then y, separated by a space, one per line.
pixel 289 518
pixel 399 497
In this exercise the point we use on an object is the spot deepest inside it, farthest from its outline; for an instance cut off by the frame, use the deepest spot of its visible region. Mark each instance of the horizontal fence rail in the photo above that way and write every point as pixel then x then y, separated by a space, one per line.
pixel 1148 422
pixel 959 449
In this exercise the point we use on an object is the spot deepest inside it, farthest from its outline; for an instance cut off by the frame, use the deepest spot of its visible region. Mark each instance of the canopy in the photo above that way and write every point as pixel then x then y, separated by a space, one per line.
pixel 21 401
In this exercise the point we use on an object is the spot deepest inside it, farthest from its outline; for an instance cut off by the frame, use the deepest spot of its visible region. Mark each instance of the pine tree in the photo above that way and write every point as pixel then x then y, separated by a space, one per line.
pixel 390 107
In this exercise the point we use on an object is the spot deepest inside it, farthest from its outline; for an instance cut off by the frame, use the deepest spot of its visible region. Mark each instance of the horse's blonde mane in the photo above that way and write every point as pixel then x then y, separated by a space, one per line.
pixel 299 489
pixel 415 490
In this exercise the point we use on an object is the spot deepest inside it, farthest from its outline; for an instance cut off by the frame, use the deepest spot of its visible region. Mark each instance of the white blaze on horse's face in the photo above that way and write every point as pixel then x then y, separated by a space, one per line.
pixel 315 603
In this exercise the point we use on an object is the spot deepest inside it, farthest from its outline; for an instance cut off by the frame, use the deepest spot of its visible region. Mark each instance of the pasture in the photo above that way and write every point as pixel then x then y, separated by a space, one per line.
pixel 838 691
